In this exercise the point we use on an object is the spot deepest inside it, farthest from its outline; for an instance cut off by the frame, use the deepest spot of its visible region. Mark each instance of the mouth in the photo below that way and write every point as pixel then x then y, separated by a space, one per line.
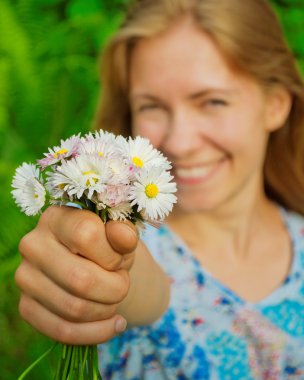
pixel 197 174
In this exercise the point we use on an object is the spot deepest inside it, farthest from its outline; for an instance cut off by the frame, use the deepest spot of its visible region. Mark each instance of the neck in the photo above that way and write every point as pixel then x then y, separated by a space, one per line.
pixel 232 227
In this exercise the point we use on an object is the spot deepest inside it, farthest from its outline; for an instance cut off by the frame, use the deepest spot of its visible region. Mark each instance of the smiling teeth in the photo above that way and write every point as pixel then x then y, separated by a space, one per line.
pixel 194 172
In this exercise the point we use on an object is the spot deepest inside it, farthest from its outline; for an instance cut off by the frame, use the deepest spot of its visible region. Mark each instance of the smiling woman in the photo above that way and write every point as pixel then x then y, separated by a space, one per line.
pixel 203 115
pixel 253 49
pixel 217 291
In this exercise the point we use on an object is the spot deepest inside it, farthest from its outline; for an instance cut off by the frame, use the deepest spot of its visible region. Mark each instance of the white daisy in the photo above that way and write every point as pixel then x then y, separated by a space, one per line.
pixel 82 174
pixel 153 192
pixel 67 149
pixel 29 193
pixel 23 173
pixel 105 135
pixel 120 171
pixel 33 197
pixel 120 212
pixel 141 154
pixel 100 143
pixel 113 196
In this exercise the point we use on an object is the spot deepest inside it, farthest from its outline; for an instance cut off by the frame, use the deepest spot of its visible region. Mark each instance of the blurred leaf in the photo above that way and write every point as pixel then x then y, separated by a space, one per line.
pixel 81 9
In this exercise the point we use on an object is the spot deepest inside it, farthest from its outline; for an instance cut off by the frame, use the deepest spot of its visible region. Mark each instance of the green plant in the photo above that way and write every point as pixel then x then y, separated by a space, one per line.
pixel 48 90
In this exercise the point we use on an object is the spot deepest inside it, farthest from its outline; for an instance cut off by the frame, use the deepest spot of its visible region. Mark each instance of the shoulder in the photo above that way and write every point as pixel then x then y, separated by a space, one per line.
pixel 155 239
pixel 172 254
pixel 294 220
pixel 165 247
pixel 295 225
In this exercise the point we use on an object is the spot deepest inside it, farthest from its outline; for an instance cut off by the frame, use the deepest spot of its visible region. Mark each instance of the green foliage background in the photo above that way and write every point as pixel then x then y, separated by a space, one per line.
pixel 48 90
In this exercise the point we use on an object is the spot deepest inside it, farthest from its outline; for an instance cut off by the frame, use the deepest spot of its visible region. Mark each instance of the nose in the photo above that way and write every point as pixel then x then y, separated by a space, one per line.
pixel 183 137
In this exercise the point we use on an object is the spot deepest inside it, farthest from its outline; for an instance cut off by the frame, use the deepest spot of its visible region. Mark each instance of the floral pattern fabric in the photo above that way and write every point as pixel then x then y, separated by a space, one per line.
pixel 208 332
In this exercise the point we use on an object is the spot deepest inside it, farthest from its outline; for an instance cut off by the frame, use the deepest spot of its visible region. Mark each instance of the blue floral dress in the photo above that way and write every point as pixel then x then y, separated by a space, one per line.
pixel 208 332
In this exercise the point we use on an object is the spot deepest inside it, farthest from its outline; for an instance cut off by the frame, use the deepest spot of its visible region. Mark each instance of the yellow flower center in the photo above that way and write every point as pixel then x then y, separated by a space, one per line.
pixel 151 190
pixel 100 154
pixel 137 162
pixel 59 152
pixel 88 182
pixel 36 196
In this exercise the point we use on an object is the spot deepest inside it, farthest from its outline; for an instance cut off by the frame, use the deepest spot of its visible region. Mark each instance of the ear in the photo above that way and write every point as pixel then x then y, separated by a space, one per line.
pixel 279 102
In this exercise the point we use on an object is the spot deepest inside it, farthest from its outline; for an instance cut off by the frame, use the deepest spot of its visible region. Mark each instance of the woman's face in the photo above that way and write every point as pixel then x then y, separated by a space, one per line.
pixel 210 121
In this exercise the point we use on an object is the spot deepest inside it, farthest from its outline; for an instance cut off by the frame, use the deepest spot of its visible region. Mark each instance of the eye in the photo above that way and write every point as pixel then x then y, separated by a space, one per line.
pixel 216 102
pixel 148 107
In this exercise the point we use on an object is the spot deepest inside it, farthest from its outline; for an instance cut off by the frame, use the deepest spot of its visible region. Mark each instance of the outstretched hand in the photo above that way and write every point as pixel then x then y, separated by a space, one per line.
pixel 74 274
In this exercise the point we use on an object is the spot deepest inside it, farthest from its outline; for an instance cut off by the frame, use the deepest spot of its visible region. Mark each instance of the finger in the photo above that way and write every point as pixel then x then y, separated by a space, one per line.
pixel 69 332
pixel 76 274
pixel 122 236
pixel 36 285
pixel 82 232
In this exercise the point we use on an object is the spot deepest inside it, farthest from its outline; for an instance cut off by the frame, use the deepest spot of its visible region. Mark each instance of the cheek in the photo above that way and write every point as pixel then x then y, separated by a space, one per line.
pixel 154 131
pixel 241 133
pixel 246 142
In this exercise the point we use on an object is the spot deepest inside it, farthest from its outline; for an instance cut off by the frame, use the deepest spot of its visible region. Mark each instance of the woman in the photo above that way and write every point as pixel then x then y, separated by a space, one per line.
pixel 217 292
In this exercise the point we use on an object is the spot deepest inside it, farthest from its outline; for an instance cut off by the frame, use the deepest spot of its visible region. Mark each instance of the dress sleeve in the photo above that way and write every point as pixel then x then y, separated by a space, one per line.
pixel 145 352
pixel 158 350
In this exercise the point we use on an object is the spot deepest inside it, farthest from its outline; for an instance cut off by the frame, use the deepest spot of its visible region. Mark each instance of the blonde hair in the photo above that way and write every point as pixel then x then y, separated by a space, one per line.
pixel 249 35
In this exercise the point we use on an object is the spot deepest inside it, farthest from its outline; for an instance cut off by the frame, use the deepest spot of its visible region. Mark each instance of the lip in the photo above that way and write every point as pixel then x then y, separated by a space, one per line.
pixel 197 174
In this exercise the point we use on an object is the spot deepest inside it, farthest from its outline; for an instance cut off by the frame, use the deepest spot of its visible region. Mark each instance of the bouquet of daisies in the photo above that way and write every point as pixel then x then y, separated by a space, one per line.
pixel 114 177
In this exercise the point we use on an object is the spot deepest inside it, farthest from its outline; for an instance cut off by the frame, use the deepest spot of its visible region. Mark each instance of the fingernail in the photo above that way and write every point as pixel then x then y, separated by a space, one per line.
pixel 120 325
pixel 133 231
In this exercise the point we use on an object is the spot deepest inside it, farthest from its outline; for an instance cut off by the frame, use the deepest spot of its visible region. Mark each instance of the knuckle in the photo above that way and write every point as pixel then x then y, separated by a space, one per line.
pixel 20 276
pixel 80 280
pixel 76 308
pixel 86 231
pixel 23 307
pixel 26 245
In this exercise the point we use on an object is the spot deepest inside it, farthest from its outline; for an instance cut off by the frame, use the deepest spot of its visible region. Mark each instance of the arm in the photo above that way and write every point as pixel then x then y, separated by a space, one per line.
pixel 73 279
pixel 149 283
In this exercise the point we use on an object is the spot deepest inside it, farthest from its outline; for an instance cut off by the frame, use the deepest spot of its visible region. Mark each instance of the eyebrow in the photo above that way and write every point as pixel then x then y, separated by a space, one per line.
pixel 208 91
pixel 145 96
pixel 194 96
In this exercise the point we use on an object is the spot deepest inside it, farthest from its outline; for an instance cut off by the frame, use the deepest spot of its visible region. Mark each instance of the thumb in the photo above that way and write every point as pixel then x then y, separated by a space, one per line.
pixel 122 236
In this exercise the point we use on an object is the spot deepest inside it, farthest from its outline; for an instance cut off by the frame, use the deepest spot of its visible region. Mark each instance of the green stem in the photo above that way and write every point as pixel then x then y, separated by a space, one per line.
pixel 96 373
pixel 76 363
pixel 85 355
pixel 64 350
pixel 25 373
pixel 90 364
pixel 67 362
